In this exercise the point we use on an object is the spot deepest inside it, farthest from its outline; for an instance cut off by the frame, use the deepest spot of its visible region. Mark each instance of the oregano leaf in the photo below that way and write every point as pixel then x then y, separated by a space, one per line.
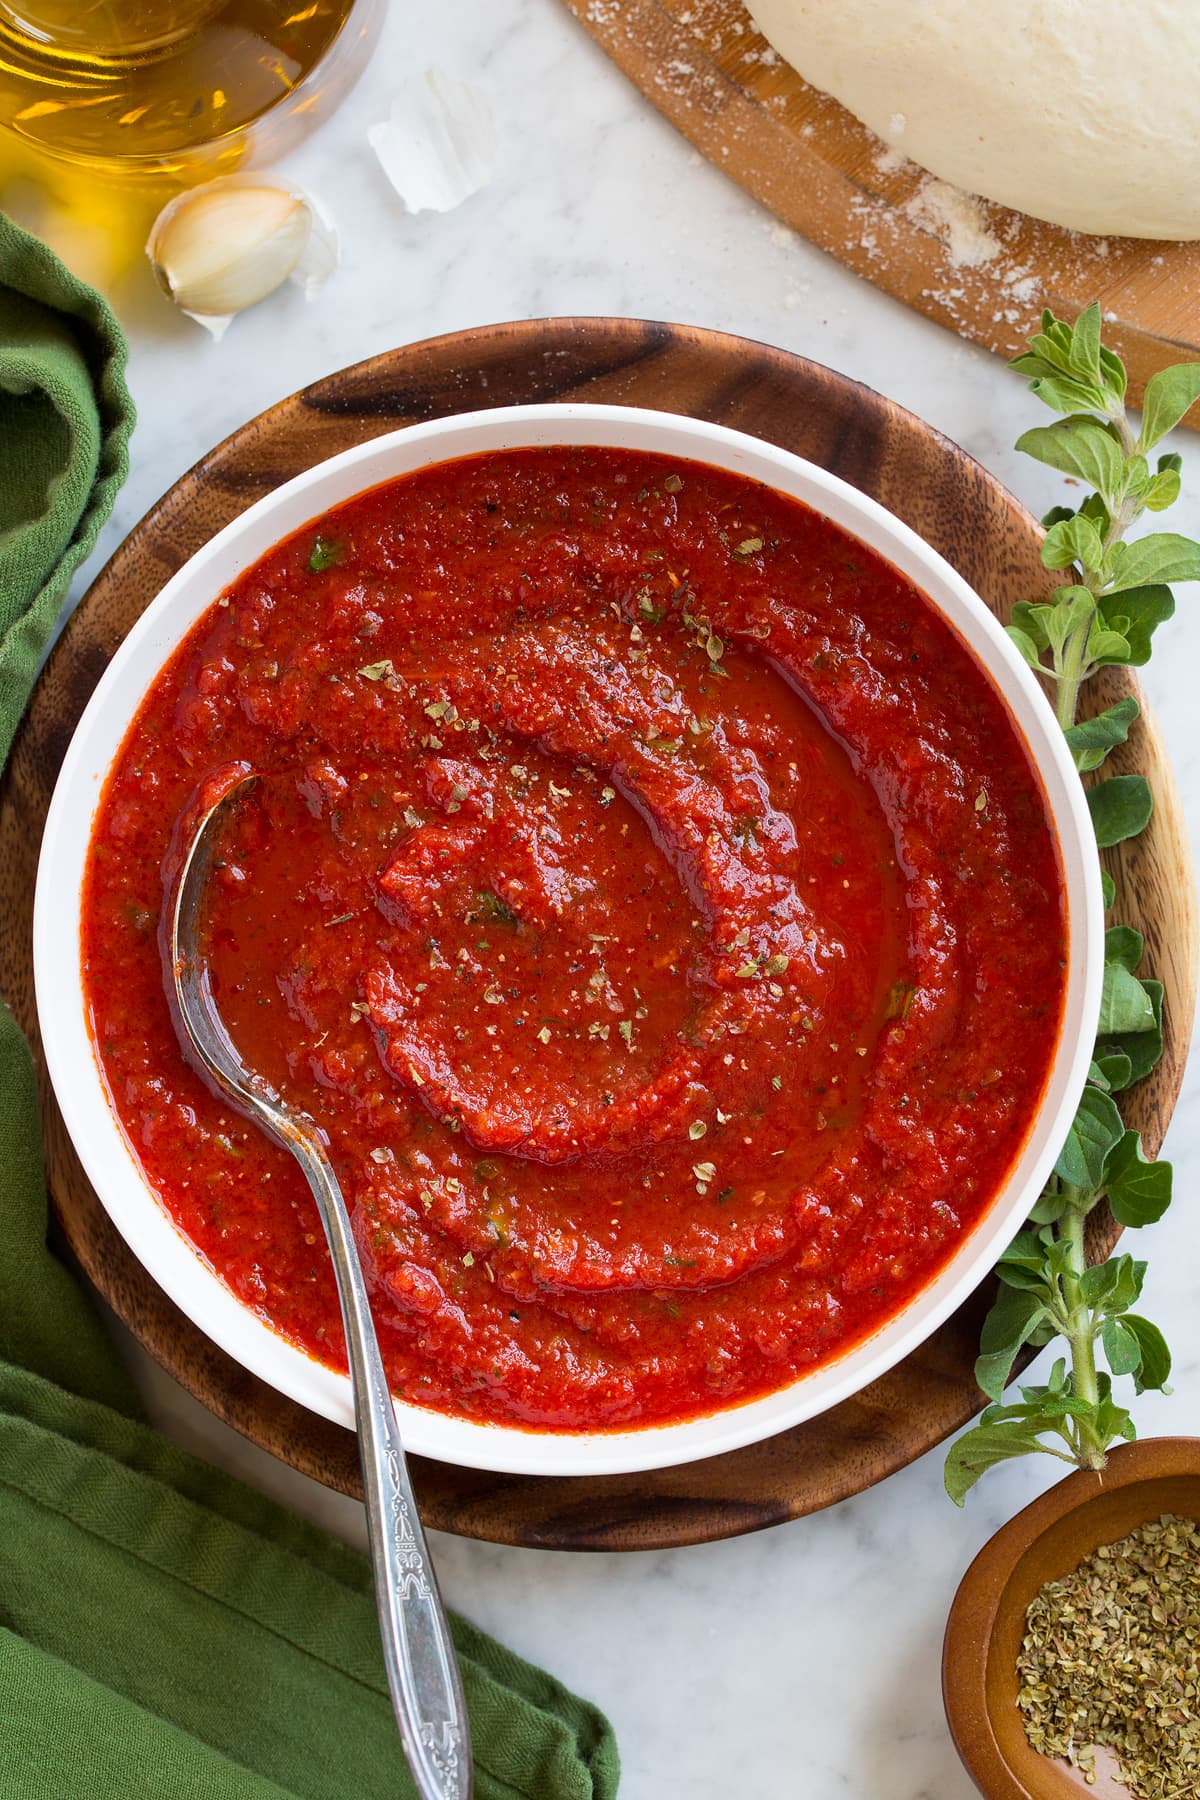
pixel 1063 393
pixel 1084 356
pixel 1063 618
pixel 1121 1347
pixel 1113 374
pixel 1139 1192
pixel 1169 395
pixel 1015 1275
pixel 1113 1421
pixel 1135 613
pixel 1094 508
pixel 1012 1320
pixel 1095 1129
pixel 1124 945
pixel 1162 556
pixel 1081 446
pixel 1112 1071
pixel 1050 1204
pixel 1077 540
pixel 1025 645
pixel 1142 1048
pixel 1155 1370
pixel 1029 618
pixel 1009 1319
pixel 1112 1286
pixel 1161 491
pixel 1120 808
pixel 1049 350
pixel 979 1449
pixel 1124 1004
pixel 1136 474
pixel 1091 740
pixel 1105 646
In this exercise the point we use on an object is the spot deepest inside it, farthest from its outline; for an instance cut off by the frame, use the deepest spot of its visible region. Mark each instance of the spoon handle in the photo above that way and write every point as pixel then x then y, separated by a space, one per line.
pixel 422 1671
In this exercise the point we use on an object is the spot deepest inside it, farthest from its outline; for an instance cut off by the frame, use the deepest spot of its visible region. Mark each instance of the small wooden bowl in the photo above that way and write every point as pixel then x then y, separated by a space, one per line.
pixel 987 1621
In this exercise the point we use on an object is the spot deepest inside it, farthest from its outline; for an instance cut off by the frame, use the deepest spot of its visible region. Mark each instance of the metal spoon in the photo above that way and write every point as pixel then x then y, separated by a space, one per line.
pixel 422 1672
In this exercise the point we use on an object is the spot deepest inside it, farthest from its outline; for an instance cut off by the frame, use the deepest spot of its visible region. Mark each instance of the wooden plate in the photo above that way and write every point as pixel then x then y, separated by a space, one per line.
pixel 704 66
pixel 886 452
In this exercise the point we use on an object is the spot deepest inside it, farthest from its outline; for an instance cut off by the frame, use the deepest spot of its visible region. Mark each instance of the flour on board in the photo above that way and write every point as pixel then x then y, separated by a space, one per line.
pixel 959 219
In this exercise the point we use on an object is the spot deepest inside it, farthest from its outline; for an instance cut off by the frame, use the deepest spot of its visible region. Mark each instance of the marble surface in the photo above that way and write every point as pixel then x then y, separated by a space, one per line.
pixel 803 1661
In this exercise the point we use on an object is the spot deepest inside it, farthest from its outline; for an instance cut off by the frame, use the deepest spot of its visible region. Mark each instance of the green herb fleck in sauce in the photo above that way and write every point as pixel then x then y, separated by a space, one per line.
pixel 326 554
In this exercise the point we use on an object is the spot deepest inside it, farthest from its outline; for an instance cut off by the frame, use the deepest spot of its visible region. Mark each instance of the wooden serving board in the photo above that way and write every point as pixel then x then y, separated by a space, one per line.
pixel 884 451
pixel 704 66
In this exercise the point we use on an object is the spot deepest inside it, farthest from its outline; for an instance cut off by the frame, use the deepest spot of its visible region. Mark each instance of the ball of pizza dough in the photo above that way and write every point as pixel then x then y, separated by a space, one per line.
pixel 1083 112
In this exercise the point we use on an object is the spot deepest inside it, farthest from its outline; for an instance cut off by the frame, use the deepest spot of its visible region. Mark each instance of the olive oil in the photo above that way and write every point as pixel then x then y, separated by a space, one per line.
pixel 179 88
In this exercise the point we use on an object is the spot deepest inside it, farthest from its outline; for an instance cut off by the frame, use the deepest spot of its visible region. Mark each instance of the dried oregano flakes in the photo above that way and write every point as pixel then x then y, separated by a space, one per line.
pixel 1111 1656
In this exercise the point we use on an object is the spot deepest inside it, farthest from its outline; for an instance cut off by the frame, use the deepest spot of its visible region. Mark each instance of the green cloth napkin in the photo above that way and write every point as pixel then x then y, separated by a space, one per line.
pixel 165 1632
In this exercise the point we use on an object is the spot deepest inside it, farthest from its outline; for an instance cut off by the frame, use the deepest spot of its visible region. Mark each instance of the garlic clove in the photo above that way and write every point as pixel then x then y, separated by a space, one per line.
pixel 220 248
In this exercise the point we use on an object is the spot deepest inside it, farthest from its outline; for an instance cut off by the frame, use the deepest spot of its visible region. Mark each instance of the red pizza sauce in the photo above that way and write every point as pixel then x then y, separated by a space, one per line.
pixel 647 893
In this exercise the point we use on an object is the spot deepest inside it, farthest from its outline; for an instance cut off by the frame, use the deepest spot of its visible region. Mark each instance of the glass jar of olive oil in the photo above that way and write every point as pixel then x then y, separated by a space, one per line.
pixel 179 88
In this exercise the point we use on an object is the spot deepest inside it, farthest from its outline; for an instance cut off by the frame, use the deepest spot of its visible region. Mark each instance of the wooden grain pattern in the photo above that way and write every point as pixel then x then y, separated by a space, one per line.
pixel 884 451
pixel 703 64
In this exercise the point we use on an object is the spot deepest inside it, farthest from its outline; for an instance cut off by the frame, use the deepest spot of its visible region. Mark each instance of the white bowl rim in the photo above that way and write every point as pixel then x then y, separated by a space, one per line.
pixel 75 1074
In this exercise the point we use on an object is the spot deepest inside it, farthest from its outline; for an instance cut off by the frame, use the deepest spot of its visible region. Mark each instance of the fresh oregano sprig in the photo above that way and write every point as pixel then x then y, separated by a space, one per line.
pixel 1113 597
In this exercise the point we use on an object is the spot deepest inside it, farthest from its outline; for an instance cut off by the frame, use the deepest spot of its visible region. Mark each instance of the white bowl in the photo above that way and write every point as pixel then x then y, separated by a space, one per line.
pixel 93 1126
